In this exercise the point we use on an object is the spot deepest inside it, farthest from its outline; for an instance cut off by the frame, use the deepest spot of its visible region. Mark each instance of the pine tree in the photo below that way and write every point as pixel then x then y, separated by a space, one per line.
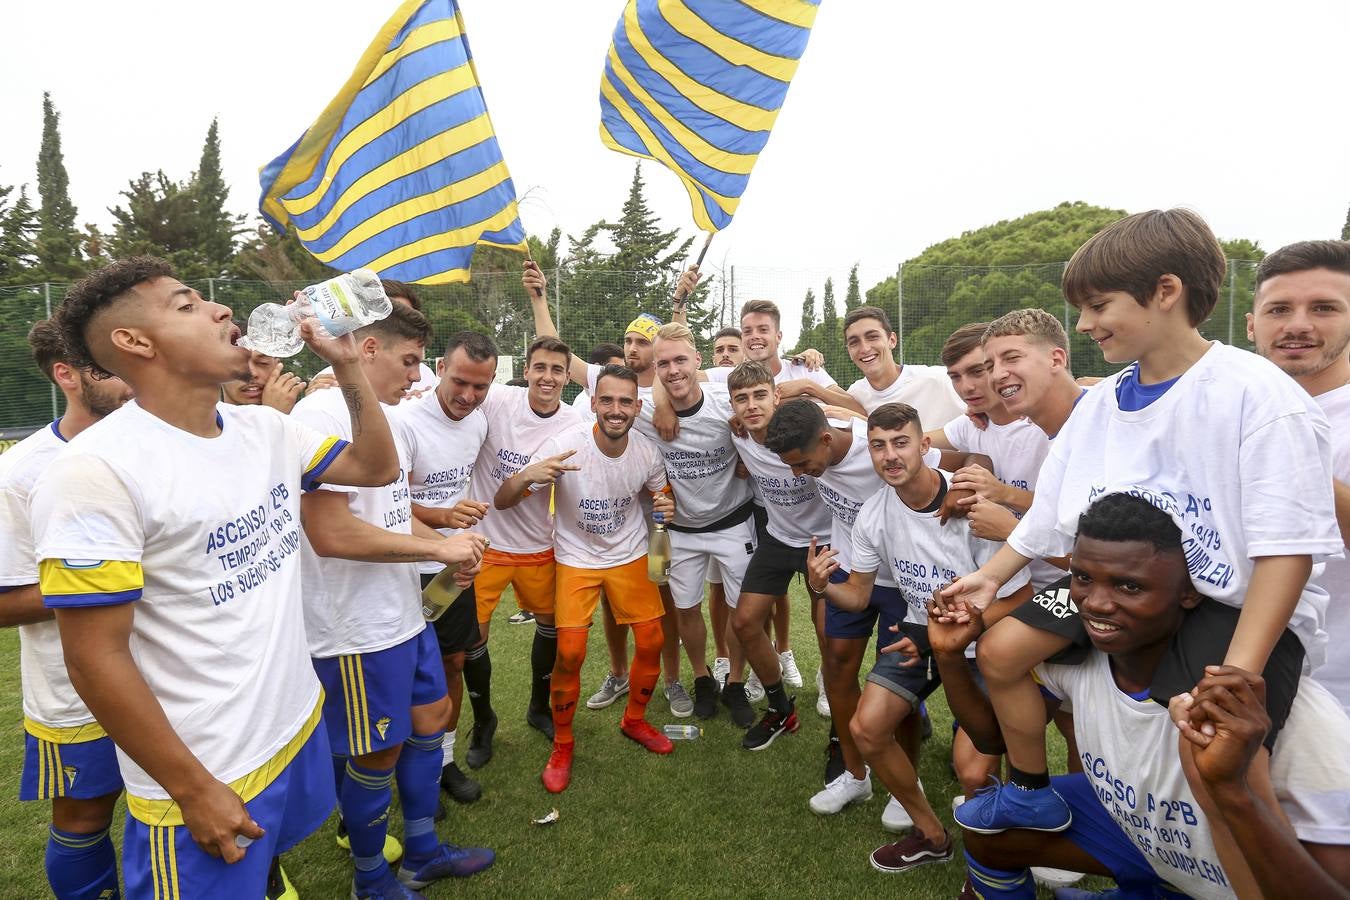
pixel 57 237
pixel 853 296
pixel 215 229
pixel 829 311
pixel 1345 229
pixel 808 314
pixel 18 231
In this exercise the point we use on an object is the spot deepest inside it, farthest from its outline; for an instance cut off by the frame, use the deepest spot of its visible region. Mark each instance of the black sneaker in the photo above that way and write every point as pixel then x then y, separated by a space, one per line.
pixel 460 787
pixel 705 697
pixel 480 743
pixel 774 723
pixel 541 720
pixel 738 705
pixel 834 760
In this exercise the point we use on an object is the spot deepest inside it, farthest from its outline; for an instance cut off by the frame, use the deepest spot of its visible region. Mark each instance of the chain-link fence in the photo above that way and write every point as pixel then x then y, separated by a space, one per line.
pixel 926 303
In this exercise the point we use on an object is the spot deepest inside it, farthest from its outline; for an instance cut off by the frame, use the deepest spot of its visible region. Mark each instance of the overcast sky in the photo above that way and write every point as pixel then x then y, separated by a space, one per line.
pixel 907 123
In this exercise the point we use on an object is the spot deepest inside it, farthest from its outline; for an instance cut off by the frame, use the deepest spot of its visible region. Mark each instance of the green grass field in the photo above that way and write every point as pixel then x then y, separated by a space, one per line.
pixel 711 819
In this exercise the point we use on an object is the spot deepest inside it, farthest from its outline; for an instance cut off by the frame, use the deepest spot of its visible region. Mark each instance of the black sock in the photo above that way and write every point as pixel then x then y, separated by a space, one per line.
pixel 778 699
pixel 478 682
pixel 1028 781
pixel 543 653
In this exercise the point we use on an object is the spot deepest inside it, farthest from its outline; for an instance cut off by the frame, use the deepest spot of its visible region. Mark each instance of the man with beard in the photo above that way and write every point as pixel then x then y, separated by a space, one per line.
pixel 268 383
pixel 68 759
pixel 598 474
pixel 1300 320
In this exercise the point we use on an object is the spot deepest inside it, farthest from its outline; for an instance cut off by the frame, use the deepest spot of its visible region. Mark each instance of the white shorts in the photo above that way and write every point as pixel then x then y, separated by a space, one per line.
pixel 714 573
pixel 692 555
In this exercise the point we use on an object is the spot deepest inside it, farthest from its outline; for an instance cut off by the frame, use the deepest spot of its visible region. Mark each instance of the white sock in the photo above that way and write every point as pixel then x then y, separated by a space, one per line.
pixel 448 749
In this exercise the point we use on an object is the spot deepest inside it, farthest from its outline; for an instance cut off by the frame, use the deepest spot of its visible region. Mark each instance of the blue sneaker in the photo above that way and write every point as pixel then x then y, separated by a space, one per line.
pixel 387 888
pixel 449 861
pixel 998 807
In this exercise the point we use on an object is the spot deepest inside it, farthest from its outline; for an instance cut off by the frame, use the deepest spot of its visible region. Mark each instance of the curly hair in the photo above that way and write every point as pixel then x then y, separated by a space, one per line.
pixel 1126 517
pixel 96 292
pixel 796 425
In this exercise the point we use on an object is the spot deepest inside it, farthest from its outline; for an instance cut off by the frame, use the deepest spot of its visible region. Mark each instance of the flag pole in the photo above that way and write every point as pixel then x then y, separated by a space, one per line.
pixel 529 257
pixel 704 252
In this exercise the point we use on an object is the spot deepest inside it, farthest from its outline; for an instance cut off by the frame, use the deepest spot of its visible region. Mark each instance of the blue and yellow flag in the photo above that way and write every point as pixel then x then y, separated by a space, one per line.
pixel 402 173
pixel 697 84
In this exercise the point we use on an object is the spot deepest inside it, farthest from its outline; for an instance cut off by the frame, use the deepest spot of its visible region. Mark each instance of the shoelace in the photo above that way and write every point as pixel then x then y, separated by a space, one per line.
pixel 996 788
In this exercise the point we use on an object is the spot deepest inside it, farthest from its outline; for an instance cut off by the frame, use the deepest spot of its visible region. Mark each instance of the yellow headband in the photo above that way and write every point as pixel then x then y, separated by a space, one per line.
pixel 646 325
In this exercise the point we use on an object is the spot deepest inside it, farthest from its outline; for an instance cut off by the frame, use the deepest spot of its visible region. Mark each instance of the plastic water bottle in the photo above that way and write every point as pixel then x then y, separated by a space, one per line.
pixel 440 592
pixel 683 732
pixel 340 305
pixel 658 555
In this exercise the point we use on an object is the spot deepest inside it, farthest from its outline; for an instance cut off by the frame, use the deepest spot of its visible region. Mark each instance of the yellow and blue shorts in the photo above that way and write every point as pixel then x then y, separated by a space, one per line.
pixel 78 762
pixel 368 697
pixel 531 574
pixel 295 796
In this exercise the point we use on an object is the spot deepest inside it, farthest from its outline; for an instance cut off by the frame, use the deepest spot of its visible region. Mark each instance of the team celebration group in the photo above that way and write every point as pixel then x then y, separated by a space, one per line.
pixel 216 571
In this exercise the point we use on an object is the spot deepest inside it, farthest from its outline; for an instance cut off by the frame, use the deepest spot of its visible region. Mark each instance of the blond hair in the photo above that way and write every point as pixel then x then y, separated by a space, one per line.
pixel 676 331
pixel 1034 324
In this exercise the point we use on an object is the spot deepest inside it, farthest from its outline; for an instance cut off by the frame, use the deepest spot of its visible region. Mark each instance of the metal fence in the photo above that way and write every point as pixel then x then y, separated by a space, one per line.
pixel 926 304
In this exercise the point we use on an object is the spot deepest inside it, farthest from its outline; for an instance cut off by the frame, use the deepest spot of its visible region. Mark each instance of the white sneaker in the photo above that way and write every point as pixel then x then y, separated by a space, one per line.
pixel 754 688
pixel 1055 878
pixel 841 792
pixel 791 674
pixel 895 818
pixel 721 669
pixel 822 702
pixel 957 801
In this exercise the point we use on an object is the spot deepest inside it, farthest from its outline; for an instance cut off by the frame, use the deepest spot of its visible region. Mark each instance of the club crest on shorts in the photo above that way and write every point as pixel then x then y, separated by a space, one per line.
pixel 70 772
pixel 382 726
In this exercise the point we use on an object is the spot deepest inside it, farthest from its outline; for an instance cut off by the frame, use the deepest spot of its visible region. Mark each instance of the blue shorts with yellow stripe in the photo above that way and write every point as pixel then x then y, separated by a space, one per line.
pixel 294 797
pixel 368 697
pixel 79 763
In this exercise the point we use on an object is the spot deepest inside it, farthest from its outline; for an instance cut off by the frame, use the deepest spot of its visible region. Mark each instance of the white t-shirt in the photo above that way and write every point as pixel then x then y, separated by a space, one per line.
pixel 441 455
pixel 1017 449
pixel 701 461
pixel 919 552
pixel 1335 672
pixel 203 535
pixel 426 378
pixel 515 434
pixel 845 487
pixel 49 699
pixel 787 371
pixel 796 513
pixel 926 388
pixel 1145 791
pixel 1310 766
pixel 1235 448
pixel 599 521
pixel 352 606
pixel 582 404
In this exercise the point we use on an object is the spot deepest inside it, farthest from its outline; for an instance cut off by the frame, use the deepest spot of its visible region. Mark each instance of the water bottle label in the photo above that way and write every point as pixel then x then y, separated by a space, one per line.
pixel 333 307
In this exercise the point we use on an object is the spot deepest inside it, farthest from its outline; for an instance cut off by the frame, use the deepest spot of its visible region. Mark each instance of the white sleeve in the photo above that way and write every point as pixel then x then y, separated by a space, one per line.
pixel 656 472
pixel 1037 535
pixel 866 553
pixel 1284 468
pixel 314 419
pixel 982 551
pixel 718 375
pixel 592 376
pixel 18 562
pixel 1310 767
pixel 1047 676
pixel 958 432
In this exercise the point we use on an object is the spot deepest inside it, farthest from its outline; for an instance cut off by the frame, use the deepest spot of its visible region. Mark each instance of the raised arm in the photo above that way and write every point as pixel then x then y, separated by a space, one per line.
pixel 536 288
pixel 679 311
pixel 371 459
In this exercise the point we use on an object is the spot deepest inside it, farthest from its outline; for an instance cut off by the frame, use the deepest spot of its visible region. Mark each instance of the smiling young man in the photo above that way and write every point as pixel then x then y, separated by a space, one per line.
pixel 69 760
pixel 213 755
pixel 794 516
pixel 1217 428
pixel 897 535
pixel 1135 817
pixel 714 525
pixel 268 383
pixel 1300 321
pixel 519 421
pixel 443 432
pixel 871 345
pixel 385 704
pixel 598 473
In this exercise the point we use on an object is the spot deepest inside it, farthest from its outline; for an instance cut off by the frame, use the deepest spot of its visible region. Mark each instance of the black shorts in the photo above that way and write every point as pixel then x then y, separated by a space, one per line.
pixel 457 628
pixel 1203 641
pixel 772 566
pixel 1050 609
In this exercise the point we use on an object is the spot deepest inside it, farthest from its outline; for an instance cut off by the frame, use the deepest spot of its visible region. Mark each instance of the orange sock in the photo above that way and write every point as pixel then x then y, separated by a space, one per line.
pixel 565 684
pixel 646 666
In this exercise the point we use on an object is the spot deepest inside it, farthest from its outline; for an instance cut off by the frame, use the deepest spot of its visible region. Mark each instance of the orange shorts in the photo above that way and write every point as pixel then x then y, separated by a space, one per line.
pixel 632 596
pixel 530 573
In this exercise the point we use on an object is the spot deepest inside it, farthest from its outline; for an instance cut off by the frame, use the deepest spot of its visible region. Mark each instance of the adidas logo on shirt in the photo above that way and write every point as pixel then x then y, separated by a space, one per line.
pixel 1056 601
